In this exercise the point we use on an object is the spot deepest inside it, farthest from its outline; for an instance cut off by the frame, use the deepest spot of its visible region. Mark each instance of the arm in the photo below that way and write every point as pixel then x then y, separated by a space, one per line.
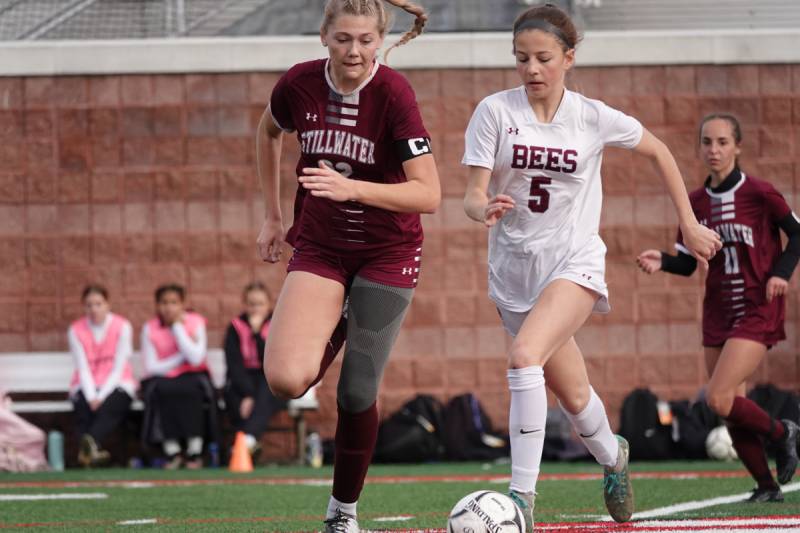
pixel 152 364
pixel 651 261
pixel 778 283
pixel 121 357
pixel 235 364
pixel 87 384
pixel 477 204
pixel 420 193
pixel 701 241
pixel 192 350
pixel 269 141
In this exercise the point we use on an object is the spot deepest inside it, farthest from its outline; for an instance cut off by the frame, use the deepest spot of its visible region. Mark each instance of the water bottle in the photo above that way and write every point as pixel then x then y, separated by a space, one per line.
pixel 55 450
pixel 213 452
pixel 314 450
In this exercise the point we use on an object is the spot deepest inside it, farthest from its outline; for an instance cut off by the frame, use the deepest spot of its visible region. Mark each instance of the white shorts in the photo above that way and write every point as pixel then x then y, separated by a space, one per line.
pixel 517 280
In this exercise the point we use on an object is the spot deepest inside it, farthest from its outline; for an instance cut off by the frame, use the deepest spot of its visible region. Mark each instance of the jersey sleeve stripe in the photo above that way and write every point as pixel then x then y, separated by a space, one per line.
pixel 278 124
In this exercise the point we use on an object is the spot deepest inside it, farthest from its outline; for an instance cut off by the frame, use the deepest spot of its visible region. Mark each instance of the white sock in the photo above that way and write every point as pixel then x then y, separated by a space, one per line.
pixel 250 441
pixel 592 427
pixel 171 447
pixel 526 421
pixel 194 445
pixel 346 508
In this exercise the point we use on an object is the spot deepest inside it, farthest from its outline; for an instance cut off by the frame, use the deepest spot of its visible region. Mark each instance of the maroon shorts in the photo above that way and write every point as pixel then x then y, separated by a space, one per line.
pixel 393 267
pixel 760 323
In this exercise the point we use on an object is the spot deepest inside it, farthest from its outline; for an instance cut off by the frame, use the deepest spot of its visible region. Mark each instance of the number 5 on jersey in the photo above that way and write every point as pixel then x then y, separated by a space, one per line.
pixel 539 199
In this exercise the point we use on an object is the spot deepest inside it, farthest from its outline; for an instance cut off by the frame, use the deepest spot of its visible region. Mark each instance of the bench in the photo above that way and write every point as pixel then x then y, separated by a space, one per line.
pixel 31 373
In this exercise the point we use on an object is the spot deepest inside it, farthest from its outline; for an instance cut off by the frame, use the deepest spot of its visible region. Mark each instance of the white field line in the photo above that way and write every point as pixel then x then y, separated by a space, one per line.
pixel 699 504
pixel 140 522
pixel 393 518
pixel 36 497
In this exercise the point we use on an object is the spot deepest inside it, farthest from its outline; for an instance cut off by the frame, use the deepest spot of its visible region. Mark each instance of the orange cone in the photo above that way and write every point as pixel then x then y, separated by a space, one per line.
pixel 240 457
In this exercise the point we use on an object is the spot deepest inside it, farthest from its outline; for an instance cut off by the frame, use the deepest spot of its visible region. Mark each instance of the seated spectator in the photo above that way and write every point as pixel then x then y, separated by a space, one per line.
pixel 249 400
pixel 178 388
pixel 102 386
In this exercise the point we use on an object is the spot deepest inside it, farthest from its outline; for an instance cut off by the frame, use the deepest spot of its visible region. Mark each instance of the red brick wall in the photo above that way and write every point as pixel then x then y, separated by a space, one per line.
pixel 132 181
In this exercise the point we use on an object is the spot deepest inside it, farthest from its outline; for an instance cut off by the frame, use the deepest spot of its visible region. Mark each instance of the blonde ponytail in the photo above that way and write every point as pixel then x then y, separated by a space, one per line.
pixel 421 18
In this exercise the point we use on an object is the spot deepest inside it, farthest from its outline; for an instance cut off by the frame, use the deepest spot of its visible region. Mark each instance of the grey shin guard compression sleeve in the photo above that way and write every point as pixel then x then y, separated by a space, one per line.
pixel 375 314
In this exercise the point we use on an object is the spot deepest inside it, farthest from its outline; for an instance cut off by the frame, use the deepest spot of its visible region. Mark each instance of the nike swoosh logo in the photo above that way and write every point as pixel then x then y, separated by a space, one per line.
pixel 523 432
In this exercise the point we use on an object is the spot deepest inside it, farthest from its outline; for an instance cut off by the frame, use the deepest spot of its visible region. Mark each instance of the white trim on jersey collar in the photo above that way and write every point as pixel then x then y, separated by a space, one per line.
pixel 357 89
pixel 562 105
pixel 730 191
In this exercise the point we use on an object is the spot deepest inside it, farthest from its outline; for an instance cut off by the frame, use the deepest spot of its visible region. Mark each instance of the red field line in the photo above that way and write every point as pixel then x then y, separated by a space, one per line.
pixel 371 479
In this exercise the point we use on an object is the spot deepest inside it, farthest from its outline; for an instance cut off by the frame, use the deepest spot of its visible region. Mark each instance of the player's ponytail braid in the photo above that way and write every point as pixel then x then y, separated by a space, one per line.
pixel 421 18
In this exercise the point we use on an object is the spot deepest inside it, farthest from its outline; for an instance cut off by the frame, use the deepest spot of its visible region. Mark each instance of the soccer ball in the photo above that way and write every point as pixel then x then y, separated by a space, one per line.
pixel 486 511
pixel 719 445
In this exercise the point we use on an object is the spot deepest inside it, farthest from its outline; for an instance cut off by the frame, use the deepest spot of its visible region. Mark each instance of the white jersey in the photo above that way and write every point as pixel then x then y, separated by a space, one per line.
pixel 553 173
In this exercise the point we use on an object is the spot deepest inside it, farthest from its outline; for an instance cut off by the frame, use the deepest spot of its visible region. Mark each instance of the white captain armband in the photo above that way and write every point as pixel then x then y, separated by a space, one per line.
pixel 411 148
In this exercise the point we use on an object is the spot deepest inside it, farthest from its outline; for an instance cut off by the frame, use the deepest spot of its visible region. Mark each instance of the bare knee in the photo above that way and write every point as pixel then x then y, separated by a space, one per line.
pixel 521 355
pixel 288 387
pixel 286 382
pixel 720 402
pixel 575 402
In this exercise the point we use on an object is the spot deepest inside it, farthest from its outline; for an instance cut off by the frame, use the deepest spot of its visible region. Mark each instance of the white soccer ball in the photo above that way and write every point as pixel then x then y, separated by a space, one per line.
pixel 486 511
pixel 719 445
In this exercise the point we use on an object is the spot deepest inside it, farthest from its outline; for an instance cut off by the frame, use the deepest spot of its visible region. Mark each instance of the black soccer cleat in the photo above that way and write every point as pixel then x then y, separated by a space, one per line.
pixel 786 452
pixel 766 496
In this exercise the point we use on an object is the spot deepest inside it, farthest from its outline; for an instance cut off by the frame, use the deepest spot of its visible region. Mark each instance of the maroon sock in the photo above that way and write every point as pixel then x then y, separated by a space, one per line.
pixel 331 350
pixel 748 415
pixel 750 448
pixel 356 434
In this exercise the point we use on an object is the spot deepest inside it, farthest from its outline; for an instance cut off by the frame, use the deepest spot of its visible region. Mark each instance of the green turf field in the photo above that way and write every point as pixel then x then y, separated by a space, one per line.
pixel 294 498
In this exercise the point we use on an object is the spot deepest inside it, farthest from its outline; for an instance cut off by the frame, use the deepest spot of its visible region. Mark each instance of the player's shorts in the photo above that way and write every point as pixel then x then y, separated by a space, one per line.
pixel 760 323
pixel 516 280
pixel 393 267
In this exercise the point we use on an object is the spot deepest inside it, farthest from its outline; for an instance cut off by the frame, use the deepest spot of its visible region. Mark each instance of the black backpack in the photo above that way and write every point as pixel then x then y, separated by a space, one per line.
pixel 412 434
pixel 691 424
pixel 640 425
pixel 468 434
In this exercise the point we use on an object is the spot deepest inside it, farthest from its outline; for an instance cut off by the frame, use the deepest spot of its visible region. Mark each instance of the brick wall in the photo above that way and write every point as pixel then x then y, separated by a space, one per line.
pixel 132 181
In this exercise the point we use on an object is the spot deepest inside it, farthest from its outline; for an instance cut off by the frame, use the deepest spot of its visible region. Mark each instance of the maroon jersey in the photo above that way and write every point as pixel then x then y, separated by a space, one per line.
pixel 363 135
pixel 746 217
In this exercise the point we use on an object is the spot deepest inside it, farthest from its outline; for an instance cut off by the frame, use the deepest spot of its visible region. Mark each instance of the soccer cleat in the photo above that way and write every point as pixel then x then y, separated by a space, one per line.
pixel 174 462
pixel 89 454
pixel 766 496
pixel 193 462
pixel 342 523
pixel 524 500
pixel 617 488
pixel 786 452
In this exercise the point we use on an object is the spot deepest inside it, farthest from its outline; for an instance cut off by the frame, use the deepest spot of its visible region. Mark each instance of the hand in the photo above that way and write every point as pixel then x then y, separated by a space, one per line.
pixel 256 321
pixel 327 183
pixel 776 287
pixel 246 407
pixel 270 239
pixel 702 242
pixel 94 405
pixel 496 208
pixel 649 261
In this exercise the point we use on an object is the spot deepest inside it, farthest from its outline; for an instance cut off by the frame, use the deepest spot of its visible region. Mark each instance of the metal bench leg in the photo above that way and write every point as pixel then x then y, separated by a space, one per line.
pixel 300 434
